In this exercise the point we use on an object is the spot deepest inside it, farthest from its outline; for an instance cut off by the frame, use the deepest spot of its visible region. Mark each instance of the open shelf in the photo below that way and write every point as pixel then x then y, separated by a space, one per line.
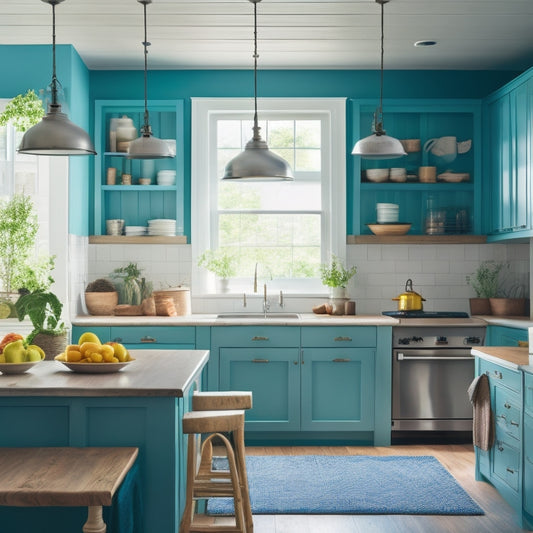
pixel 416 239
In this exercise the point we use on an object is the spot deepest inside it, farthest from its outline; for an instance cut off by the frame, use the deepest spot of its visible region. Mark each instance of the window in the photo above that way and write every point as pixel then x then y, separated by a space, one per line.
pixel 287 229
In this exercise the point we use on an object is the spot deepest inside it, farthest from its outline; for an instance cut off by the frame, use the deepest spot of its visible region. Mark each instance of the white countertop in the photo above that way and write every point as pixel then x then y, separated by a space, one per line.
pixel 519 322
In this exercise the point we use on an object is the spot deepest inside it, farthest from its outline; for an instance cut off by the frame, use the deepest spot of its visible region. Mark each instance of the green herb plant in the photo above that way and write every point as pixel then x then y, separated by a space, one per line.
pixel 486 279
pixel 220 262
pixel 23 111
pixel 35 275
pixel 132 287
pixel 335 274
pixel 18 233
pixel 44 311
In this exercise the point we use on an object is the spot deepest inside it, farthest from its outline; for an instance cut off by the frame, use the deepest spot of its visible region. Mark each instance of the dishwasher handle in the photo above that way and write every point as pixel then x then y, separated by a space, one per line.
pixel 403 357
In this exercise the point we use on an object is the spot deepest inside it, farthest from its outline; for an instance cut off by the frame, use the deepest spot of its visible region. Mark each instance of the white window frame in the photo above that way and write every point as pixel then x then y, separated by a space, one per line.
pixel 203 140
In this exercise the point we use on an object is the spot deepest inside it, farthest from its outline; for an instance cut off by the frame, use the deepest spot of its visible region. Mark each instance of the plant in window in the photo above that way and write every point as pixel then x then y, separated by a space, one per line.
pixel 336 276
pixel 35 275
pixel 23 111
pixel 221 262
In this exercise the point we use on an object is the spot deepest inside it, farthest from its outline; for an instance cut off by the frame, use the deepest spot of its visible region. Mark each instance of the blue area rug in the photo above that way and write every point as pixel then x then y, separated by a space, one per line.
pixel 316 484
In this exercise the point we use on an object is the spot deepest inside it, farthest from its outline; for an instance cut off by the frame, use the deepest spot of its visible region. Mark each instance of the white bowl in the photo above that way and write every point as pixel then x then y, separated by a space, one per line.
pixel 377 174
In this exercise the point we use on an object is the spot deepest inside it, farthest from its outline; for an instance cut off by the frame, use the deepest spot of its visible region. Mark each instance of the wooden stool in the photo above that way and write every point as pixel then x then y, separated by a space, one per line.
pixel 205 483
pixel 64 477
pixel 221 400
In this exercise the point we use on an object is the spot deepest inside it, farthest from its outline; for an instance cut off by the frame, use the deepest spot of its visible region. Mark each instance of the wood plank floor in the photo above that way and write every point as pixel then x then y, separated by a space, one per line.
pixel 457 458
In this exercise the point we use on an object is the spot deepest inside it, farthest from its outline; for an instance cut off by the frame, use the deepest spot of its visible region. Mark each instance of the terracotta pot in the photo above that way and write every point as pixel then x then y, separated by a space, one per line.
pixel 508 306
pixel 101 303
pixel 480 306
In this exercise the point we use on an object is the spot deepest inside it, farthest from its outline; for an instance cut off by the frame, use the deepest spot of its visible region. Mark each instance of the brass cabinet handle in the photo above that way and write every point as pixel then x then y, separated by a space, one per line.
pixel 341 360
pixel 260 361
pixel 148 339
pixel 117 339
pixel 258 338
pixel 498 374
pixel 342 339
pixel 503 417
pixel 513 423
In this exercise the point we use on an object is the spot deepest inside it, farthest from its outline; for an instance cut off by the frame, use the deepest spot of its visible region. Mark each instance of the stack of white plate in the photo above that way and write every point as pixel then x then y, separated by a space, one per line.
pixel 387 213
pixel 166 177
pixel 162 226
pixel 136 230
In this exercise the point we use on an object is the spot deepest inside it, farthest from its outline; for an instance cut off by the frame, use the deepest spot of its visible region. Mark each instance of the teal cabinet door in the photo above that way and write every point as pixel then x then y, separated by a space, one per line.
pixel 337 389
pixel 155 337
pixel 504 336
pixel 273 376
pixel 528 463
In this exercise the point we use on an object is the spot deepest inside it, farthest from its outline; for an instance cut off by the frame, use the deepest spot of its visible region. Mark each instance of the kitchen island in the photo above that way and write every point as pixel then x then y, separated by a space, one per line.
pixel 140 406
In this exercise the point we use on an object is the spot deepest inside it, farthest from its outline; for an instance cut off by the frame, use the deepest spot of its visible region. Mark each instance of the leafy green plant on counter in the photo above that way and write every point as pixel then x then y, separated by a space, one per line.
pixel 132 286
pixel 335 274
pixel 23 111
pixel 44 311
pixel 220 262
pixel 486 279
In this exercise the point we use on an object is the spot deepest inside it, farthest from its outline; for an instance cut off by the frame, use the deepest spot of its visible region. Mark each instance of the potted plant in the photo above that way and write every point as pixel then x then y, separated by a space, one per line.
pixel 336 276
pixel 18 233
pixel 485 282
pixel 44 311
pixel 101 297
pixel 132 287
pixel 23 111
pixel 222 263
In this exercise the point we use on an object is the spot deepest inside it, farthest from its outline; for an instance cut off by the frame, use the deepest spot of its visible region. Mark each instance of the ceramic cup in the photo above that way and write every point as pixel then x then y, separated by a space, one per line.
pixel 427 174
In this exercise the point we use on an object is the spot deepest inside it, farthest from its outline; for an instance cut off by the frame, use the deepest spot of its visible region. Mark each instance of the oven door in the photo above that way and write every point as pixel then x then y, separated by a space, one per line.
pixel 429 389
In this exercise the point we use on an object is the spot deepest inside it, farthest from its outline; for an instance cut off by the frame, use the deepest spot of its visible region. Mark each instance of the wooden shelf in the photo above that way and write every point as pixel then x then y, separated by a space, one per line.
pixel 140 239
pixel 416 239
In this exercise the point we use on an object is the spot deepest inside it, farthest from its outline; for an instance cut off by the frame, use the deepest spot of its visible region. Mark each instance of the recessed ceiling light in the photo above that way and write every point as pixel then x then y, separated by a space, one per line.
pixel 426 43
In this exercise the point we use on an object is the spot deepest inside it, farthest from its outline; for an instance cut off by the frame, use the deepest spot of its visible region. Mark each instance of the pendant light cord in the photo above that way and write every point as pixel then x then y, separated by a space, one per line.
pixel 146 128
pixel 54 77
pixel 378 115
pixel 256 128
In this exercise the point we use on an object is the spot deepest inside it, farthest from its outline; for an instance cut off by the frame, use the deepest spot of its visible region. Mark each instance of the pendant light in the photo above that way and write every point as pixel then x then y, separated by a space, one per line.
pixel 379 145
pixel 147 146
pixel 257 162
pixel 55 134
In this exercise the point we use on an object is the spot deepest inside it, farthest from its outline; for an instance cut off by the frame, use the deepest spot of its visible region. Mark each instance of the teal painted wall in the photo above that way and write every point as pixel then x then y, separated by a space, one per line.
pixel 30 67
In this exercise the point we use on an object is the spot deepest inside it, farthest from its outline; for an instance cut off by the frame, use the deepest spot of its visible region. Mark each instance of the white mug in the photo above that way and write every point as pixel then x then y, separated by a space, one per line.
pixel 442 146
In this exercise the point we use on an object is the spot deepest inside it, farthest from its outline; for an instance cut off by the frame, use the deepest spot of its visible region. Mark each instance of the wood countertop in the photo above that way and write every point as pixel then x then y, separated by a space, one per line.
pixel 510 356
pixel 165 373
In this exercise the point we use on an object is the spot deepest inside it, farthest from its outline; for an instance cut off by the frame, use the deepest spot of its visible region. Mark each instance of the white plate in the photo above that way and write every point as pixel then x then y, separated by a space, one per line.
pixel 95 368
pixel 16 368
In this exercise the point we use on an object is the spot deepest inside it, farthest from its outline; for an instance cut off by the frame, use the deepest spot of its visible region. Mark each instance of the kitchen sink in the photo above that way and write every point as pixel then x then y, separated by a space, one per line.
pixel 258 315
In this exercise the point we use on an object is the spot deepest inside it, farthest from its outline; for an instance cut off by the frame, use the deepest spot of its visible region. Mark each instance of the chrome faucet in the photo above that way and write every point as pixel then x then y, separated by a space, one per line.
pixel 266 303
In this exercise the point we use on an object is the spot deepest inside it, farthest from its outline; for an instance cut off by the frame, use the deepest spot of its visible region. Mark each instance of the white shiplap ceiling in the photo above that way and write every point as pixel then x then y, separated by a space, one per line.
pixel 292 34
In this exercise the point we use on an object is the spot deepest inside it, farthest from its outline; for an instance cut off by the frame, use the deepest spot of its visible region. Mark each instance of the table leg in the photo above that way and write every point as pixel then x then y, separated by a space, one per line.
pixel 95 523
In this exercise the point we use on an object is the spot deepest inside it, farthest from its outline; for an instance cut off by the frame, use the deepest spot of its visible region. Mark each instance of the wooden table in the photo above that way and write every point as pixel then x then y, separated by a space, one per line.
pixel 65 477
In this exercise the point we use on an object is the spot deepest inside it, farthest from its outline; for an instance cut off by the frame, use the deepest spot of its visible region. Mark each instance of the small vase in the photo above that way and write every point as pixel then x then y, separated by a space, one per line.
pixel 337 293
pixel 223 285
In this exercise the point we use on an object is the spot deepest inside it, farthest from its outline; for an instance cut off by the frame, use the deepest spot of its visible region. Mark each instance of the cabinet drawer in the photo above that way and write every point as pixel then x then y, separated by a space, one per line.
pixel 528 392
pixel 528 464
pixel 506 461
pixel 252 336
pixel 154 335
pixel 338 337
pixel 507 412
pixel 499 375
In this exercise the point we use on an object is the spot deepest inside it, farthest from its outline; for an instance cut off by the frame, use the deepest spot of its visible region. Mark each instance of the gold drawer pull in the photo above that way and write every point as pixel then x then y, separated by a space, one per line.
pixel 148 339
pixel 260 361
pixel 498 374
pixel 514 423
pixel 257 338
pixel 341 360
pixel 342 339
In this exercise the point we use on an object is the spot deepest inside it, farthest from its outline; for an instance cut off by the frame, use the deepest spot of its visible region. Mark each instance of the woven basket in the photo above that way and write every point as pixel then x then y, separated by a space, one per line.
pixel 52 345
pixel 101 303
pixel 173 302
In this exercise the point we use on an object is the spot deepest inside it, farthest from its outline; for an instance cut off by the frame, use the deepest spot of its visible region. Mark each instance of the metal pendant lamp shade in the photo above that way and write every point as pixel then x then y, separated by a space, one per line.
pixel 257 162
pixel 379 145
pixel 147 146
pixel 55 134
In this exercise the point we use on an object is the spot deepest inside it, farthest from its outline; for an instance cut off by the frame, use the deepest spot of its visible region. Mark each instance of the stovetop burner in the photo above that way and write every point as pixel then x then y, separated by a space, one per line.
pixel 426 314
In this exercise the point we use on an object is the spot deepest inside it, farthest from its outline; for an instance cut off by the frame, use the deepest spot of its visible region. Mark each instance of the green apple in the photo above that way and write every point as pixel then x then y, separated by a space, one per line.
pixel 33 355
pixel 15 352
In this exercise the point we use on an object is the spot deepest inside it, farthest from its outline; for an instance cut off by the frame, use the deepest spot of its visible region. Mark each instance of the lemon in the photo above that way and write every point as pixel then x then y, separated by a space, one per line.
pixel 5 310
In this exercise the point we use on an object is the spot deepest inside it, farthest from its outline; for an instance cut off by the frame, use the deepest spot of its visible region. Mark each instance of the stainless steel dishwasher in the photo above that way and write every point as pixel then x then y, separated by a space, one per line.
pixel 432 368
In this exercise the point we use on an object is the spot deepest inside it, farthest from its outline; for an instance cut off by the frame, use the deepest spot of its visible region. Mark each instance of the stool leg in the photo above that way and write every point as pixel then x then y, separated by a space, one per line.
pixel 95 523
pixel 186 519
pixel 238 436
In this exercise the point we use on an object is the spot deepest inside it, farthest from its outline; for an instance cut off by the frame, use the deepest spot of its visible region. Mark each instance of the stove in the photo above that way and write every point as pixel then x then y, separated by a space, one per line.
pixel 426 314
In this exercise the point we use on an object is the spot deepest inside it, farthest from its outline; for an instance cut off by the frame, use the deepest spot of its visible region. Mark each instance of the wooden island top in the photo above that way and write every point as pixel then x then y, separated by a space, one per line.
pixel 165 373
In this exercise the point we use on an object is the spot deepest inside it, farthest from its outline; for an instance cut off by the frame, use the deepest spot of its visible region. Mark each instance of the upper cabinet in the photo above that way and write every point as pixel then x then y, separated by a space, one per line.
pixel 439 202
pixel 509 159
pixel 133 190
